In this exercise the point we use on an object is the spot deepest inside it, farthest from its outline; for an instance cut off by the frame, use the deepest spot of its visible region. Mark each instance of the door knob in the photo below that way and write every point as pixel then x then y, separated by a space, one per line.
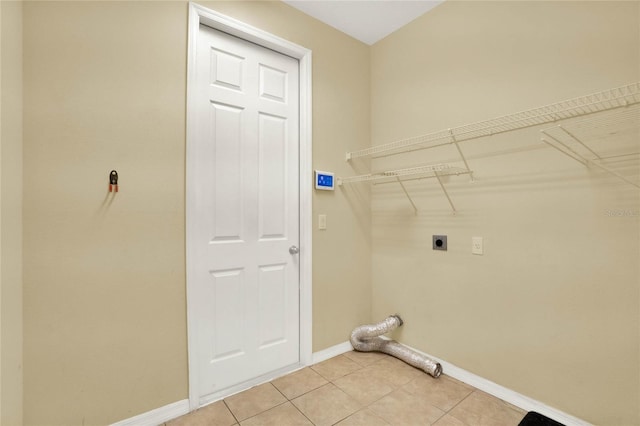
pixel 294 250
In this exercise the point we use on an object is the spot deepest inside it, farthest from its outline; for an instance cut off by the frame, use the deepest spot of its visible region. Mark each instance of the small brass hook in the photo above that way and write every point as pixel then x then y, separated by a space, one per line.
pixel 113 181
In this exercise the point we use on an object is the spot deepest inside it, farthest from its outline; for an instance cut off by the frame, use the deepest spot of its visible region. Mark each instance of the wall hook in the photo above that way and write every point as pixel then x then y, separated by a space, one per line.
pixel 113 181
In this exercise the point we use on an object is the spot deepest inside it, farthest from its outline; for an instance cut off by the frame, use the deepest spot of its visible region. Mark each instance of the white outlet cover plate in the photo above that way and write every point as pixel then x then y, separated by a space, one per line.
pixel 477 245
pixel 322 221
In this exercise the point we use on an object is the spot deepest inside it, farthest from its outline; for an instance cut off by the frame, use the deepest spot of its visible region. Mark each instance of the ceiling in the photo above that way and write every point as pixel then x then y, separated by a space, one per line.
pixel 365 20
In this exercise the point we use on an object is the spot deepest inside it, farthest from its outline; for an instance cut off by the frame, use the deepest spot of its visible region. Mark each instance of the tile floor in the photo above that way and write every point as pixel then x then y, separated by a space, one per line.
pixel 357 388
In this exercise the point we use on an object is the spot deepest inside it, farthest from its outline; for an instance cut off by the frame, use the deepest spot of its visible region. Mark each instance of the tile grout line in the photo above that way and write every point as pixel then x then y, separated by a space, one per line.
pixel 438 419
pixel 346 417
pixel 279 391
pixel 229 408
pixel 395 389
pixel 269 409
pixel 304 393
pixel 359 368
pixel 363 406
pixel 291 400
pixel 459 402
pixel 309 391
pixel 363 367
pixel 305 416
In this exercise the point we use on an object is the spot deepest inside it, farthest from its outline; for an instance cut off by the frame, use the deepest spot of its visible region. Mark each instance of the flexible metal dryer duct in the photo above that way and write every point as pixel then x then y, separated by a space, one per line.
pixel 366 339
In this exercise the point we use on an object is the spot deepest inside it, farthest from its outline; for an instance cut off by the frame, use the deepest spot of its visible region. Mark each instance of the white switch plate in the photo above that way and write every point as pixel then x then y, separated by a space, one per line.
pixel 322 221
pixel 477 245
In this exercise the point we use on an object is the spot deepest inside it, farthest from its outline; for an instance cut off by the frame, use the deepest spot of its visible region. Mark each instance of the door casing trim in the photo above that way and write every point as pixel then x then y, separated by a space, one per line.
pixel 201 15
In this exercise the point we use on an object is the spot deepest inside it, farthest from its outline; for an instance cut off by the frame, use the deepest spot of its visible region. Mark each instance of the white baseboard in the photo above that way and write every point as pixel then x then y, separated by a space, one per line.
pixel 505 394
pixel 480 383
pixel 335 350
pixel 157 416
pixel 510 396
pixel 180 408
pixel 177 409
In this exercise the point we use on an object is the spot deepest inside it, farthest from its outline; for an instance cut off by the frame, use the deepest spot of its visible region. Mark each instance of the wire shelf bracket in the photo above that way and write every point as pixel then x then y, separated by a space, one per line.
pixel 570 139
pixel 400 176
pixel 571 153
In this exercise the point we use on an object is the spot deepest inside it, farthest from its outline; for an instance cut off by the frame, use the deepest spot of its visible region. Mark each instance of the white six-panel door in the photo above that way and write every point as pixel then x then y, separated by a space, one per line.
pixel 245 211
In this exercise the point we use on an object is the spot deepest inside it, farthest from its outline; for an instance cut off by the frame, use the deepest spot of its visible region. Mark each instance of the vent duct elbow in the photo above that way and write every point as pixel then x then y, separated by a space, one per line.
pixel 366 338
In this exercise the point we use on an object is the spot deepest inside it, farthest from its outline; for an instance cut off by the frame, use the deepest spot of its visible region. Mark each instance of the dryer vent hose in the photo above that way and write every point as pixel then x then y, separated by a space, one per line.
pixel 366 338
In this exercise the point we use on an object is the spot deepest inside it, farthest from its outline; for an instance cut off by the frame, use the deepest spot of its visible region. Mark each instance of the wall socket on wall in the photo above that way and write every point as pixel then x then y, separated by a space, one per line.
pixel 477 245
pixel 440 242
pixel 322 221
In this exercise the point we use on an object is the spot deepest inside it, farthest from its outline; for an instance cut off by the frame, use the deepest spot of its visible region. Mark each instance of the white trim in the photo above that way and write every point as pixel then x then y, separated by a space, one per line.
pixel 201 15
pixel 505 394
pixel 335 350
pixel 180 408
pixel 306 223
pixel 157 416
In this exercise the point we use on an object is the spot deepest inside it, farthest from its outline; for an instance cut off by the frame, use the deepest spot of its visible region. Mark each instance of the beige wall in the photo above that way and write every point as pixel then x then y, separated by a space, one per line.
pixel 11 213
pixel 551 310
pixel 104 281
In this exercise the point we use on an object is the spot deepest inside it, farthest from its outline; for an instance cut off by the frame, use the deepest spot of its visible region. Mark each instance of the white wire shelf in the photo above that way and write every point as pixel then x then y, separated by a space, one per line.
pixel 400 176
pixel 618 97
pixel 411 173
pixel 602 138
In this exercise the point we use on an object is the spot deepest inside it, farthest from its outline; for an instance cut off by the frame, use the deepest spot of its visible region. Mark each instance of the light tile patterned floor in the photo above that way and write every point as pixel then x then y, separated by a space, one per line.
pixel 357 388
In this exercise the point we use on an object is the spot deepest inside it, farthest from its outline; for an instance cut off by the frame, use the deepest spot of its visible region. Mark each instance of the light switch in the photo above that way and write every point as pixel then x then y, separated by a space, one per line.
pixel 322 221
pixel 477 245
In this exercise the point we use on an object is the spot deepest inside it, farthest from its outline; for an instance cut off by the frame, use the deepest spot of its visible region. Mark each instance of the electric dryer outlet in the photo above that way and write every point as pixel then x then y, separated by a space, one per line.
pixel 440 242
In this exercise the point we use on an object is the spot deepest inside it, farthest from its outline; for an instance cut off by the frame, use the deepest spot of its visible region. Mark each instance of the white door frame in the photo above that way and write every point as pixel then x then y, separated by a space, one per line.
pixel 201 15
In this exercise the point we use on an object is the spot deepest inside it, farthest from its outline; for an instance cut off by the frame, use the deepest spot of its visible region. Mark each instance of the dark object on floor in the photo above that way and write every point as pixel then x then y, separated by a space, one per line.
pixel 536 419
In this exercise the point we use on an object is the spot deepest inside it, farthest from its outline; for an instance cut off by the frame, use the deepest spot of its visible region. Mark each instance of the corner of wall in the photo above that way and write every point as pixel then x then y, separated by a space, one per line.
pixel 11 361
pixel 543 285
pixel 1 120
